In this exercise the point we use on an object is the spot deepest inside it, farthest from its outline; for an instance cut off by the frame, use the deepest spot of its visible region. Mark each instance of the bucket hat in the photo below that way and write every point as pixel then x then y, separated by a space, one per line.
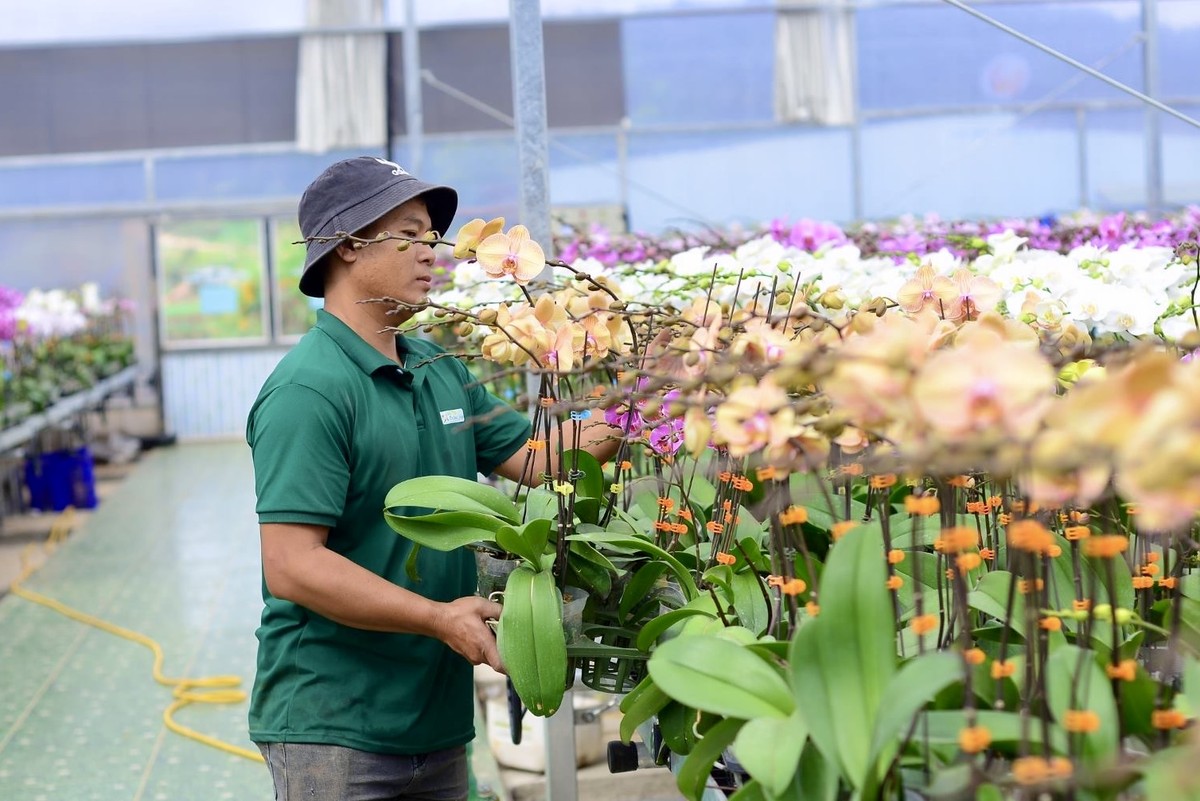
pixel 350 195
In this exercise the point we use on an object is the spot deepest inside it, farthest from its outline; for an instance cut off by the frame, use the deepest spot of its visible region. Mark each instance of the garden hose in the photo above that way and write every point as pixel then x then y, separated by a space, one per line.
pixel 206 690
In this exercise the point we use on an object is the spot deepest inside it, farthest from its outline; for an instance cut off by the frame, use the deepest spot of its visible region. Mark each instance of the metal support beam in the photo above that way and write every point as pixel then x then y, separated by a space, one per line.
pixel 1154 167
pixel 414 119
pixel 533 159
pixel 529 110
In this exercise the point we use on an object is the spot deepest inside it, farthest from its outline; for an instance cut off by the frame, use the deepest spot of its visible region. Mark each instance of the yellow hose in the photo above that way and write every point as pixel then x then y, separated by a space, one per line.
pixel 207 690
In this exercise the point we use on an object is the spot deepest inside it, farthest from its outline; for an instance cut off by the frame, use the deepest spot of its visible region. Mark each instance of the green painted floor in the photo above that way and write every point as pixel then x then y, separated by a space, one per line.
pixel 172 553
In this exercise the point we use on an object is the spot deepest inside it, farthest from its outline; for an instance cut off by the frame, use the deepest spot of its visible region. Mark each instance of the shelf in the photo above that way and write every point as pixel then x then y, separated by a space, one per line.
pixel 27 429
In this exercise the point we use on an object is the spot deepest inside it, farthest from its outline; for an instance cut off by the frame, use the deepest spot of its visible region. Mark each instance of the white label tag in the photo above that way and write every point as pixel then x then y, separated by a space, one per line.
pixel 452 416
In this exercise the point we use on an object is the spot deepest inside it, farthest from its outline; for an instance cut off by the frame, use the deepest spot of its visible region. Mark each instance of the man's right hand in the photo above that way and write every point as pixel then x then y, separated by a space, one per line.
pixel 461 626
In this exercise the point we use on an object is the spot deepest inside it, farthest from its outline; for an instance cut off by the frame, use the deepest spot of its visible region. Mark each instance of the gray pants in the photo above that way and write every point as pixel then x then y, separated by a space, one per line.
pixel 305 772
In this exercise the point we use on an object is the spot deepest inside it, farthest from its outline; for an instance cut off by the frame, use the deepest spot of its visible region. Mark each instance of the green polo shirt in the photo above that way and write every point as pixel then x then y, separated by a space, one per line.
pixel 335 427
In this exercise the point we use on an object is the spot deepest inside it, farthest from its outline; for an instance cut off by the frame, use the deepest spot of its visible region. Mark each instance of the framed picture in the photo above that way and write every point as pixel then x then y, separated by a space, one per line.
pixel 211 282
pixel 295 312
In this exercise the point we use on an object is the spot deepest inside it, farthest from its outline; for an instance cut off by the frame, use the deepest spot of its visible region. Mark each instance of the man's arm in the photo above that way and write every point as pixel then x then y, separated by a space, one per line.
pixel 596 437
pixel 299 568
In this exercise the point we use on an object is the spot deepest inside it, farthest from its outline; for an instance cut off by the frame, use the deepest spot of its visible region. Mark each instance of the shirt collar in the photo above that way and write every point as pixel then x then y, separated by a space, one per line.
pixel 367 358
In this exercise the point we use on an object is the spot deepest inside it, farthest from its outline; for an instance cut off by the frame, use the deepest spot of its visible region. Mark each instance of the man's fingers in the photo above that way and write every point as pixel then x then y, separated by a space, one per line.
pixel 490 610
pixel 491 655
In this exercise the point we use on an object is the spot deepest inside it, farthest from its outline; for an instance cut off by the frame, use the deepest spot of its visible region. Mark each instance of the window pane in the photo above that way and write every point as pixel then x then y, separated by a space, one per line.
pixel 691 180
pixel 1178 28
pixel 922 56
pixel 1116 153
pixel 1181 168
pixel 295 312
pixel 704 68
pixel 971 165
pixel 234 177
pixel 211 282
pixel 73 184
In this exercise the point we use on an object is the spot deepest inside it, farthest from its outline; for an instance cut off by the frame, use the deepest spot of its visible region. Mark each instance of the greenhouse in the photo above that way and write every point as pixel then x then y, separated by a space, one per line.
pixel 653 399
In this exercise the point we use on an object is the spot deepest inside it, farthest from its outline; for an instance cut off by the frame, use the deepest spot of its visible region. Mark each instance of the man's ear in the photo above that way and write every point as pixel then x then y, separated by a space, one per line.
pixel 346 251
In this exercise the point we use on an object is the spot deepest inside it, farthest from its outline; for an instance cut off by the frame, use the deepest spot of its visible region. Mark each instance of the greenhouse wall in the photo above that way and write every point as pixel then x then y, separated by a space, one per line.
pixel 659 120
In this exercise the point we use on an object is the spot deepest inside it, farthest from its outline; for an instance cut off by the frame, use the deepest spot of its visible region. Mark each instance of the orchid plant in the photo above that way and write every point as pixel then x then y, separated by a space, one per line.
pixel 878 526
pixel 56 342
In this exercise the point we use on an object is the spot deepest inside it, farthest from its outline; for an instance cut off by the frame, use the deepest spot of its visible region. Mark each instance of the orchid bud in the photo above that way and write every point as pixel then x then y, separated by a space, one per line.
pixel 832 299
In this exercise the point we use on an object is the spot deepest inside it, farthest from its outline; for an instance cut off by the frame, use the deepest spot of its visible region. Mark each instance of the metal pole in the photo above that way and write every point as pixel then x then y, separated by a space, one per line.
pixel 623 170
pixel 1081 139
pixel 856 166
pixel 529 109
pixel 414 120
pixel 533 159
pixel 1154 173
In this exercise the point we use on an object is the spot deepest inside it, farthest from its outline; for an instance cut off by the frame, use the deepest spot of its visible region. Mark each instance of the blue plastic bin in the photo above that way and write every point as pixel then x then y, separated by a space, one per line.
pixel 60 479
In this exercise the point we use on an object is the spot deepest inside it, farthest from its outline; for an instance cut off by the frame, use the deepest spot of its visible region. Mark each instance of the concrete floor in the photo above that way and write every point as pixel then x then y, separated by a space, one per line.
pixel 171 552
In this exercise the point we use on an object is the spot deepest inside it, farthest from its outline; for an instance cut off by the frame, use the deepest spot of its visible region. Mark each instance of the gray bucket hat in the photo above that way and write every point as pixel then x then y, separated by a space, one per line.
pixel 350 195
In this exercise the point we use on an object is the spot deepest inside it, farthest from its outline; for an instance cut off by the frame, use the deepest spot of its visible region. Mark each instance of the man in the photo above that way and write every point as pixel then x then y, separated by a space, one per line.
pixel 364 682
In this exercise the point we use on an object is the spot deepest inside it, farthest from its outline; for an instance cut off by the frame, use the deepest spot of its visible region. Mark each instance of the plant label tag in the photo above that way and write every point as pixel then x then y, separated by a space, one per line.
pixel 450 416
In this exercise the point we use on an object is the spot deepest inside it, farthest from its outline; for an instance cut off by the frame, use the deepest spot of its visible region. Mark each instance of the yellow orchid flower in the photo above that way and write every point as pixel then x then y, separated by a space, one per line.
pixel 474 232
pixel 512 254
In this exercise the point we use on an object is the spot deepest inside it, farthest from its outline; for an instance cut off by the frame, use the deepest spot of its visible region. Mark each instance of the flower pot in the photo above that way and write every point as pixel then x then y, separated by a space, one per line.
pixel 574 599
pixel 493 572
pixel 612 673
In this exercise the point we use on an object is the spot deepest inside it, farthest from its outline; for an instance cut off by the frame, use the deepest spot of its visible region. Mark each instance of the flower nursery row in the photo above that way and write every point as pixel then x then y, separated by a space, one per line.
pixel 55 343
pixel 881 524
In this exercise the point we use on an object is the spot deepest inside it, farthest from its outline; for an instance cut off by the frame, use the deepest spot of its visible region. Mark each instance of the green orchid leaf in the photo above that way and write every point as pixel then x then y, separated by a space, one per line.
pixel 527 541
pixel 752 550
pixel 942 727
pixel 653 629
pixel 719 577
pixel 750 601
pixel 686 582
pixel 694 772
pixel 910 689
pixel 769 749
pixel 990 596
pixel 451 494
pixel 717 675
pixel 752 791
pixel 1075 682
pixel 540 502
pixel 588 576
pixel 847 653
pixel 817 779
pixel 641 703
pixel 410 564
pixel 677 723
pixel 591 484
pixel 445 531
pixel 589 510
pixel 639 586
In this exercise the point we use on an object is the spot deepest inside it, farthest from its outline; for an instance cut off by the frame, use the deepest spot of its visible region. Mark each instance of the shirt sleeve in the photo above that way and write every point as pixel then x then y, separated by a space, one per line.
pixel 501 429
pixel 301 450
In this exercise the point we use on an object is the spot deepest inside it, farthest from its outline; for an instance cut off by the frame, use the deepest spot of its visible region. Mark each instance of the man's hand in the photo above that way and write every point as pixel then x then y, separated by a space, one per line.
pixel 461 626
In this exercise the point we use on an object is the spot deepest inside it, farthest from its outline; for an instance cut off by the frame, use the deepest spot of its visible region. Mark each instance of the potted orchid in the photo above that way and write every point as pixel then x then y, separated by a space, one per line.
pixel 878 527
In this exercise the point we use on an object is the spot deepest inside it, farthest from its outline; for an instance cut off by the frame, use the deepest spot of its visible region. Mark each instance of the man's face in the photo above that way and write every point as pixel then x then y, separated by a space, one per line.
pixel 383 271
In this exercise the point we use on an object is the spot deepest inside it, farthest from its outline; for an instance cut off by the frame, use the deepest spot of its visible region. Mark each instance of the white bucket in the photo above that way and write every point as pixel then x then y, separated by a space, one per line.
pixel 531 753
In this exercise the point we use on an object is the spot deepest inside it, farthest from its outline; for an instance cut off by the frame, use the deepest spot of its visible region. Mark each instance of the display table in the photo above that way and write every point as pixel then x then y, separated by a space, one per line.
pixel 92 398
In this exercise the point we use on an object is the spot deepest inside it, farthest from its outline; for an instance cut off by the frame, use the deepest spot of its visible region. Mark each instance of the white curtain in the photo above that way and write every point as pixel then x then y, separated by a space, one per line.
pixel 814 63
pixel 341 92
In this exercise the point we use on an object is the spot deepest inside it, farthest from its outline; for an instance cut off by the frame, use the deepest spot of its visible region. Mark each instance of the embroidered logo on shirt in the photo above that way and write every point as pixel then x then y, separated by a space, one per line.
pixel 452 416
